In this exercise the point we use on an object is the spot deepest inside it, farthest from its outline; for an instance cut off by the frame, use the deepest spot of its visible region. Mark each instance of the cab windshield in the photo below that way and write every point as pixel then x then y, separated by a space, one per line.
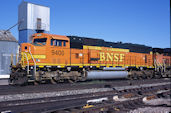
pixel 39 41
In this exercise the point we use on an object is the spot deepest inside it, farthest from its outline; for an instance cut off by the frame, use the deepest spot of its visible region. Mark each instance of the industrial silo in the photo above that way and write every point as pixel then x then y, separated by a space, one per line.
pixel 8 46
pixel 32 18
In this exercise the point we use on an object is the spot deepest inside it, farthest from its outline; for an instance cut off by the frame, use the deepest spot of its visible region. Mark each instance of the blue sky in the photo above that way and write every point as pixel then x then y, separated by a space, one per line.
pixel 134 21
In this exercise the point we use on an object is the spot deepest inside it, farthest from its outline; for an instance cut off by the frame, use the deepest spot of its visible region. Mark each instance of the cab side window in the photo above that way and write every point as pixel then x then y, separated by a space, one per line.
pixel 60 43
pixel 56 43
pixel 52 42
pixel 64 43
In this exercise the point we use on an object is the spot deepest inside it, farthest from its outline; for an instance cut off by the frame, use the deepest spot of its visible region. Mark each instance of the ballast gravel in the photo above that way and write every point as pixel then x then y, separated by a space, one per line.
pixel 26 96
pixel 50 94
pixel 156 106
pixel 141 85
pixel 159 101
pixel 152 110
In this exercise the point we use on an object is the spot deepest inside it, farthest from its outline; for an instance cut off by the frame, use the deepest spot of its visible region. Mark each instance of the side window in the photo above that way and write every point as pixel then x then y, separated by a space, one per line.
pixel 55 42
pixel 52 42
pixel 60 43
pixel 64 43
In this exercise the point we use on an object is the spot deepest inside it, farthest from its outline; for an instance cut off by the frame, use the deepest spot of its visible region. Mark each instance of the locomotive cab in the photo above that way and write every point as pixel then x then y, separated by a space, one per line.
pixel 43 48
pixel 35 52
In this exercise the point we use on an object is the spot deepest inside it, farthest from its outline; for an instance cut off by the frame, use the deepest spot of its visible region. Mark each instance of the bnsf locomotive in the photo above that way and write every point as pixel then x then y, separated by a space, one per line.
pixel 59 58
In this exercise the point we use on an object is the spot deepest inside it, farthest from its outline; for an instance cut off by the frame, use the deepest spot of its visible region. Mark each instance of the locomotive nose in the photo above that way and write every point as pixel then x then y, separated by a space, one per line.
pixel 25 47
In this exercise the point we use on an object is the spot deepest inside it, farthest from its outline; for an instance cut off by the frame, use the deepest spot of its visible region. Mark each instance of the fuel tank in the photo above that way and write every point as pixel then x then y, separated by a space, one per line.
pixel 113 69
pixel 106 74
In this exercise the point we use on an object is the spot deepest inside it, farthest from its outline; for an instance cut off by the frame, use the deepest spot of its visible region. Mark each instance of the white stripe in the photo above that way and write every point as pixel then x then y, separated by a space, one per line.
pixel 4 76
pixel 7 55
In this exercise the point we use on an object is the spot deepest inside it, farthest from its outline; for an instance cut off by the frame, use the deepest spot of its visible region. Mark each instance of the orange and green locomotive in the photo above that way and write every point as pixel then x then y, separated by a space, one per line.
pixel 59 58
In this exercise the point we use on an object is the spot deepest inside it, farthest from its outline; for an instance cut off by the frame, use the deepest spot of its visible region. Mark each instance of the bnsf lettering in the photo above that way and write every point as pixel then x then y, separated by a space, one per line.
pixel 111 57
pixel 58 52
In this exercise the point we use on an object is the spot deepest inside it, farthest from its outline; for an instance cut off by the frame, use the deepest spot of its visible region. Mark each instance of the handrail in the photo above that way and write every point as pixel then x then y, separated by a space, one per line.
pixel 33 61
pixel 27 64
pixel 164 65
pixel 12 59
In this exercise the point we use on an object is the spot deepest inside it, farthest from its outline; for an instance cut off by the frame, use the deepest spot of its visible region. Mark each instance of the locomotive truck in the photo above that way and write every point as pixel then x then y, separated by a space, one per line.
pixel 59 58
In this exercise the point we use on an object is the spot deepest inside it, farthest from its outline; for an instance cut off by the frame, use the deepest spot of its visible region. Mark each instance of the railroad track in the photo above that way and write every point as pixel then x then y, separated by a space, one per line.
pixel 5 90
pixel 122 98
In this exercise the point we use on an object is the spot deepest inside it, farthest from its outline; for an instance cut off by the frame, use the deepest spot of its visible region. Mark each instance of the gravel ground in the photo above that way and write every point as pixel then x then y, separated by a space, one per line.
pixel 159 101
pixel 24 96
pixel 50 94
pixel 141 85
pixel 154 102
pixel 152 110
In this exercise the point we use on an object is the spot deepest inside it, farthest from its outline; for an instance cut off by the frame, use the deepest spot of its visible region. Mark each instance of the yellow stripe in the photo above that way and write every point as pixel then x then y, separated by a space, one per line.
pixel 107 48
pixel 81 65
pixel 39 56
pixel 92 47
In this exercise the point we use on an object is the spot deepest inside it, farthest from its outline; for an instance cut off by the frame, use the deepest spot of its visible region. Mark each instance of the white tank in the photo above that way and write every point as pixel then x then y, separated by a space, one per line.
pixel 91 75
